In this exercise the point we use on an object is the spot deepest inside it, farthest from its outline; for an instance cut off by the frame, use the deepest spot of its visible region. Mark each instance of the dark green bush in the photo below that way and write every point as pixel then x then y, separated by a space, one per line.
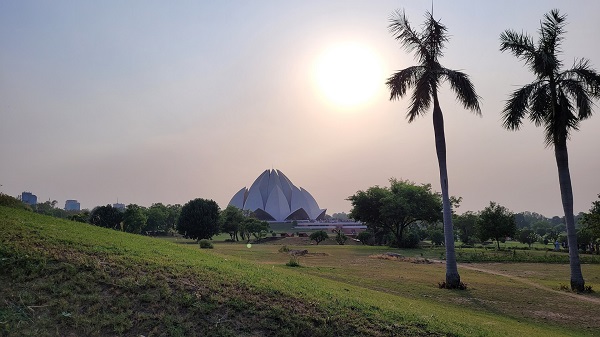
pixel 205 244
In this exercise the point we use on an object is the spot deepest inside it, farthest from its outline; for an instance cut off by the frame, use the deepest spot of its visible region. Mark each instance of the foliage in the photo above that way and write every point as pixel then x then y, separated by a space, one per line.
pixel 365 237
pixel 231 220
pixel 106 216
pixel 436 236
pixel 410 240
pixel 340 237
pixel 199 219
pixel 527 236
pixel 591 224
pixel 342 216
pixel 253 227
pixel 393 209
pixel 294 261
pixel 134 219
pixel 558 101
pixel 161 218
pixel 9 201
pixel 496 222
pixel 318 236
pixel 206 244
pixel 466 224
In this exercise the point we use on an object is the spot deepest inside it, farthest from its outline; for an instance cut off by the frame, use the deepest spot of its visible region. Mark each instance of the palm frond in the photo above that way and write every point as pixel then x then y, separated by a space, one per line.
pixel 540 104
pixel 434 37
pixel 583 101
pixel 403 79
pixel 421 97
pixel 583 72
pixel 516 107
pixel 551 32
pixel 464 89
pixel 402 31
pixel 519 44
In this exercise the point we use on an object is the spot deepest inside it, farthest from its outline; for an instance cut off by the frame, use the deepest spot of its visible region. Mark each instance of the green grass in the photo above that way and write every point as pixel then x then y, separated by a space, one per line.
pixel 66 278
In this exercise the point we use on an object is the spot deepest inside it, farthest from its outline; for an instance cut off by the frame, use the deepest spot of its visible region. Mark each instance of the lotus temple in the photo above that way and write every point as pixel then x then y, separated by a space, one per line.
pixel 273 197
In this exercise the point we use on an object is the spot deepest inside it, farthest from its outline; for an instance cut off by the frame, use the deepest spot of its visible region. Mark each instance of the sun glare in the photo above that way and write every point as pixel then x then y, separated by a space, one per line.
pixel 348 75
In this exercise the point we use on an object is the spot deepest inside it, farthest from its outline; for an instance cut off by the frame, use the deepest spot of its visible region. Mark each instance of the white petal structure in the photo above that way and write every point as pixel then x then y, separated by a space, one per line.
pixel 273 197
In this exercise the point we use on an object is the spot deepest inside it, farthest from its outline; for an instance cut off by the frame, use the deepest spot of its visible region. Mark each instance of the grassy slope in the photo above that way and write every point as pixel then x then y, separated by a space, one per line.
pixel 64 278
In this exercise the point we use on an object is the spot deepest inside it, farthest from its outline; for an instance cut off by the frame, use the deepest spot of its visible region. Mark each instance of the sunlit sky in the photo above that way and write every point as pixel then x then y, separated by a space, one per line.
pixel 167 101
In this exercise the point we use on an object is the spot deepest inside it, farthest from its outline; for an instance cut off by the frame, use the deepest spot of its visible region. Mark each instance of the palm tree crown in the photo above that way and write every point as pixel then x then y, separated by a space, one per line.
pixel 557 100
pixel 427 76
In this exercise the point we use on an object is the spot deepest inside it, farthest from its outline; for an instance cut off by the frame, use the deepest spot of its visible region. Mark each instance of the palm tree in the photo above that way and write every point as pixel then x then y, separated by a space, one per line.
pixel 426 78
pixel 557 100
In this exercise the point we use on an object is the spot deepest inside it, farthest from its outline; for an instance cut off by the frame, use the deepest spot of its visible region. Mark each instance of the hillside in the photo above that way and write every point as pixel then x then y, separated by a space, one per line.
pixel 61 278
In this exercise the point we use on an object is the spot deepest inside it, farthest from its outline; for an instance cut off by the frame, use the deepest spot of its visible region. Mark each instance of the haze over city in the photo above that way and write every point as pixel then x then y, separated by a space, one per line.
pixel 156 101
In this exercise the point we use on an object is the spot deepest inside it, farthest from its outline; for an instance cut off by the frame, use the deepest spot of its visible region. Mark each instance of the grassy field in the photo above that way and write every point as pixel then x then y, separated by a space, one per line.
pixel 61 278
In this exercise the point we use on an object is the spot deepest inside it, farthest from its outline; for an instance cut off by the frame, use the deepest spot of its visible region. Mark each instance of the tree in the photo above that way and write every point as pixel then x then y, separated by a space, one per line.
pixel 527 236
pixel 591 224
pixel 253 227
pixel 426 78
pixel 134 219
pixel 106 216
pixel 557 100
pixel 466 224
pixel 319 236
pixel 397 207
pixel 365 237
pixel 496 222
pixel 340 236
pixel 199 219
pixel 230 221
pixel 157 218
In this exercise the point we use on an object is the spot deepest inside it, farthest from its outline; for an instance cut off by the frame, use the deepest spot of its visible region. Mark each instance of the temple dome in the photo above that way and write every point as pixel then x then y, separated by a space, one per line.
pixel 273 197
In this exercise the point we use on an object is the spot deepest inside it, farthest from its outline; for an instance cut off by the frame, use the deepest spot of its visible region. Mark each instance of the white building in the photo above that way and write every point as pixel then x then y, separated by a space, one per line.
pixel 273 197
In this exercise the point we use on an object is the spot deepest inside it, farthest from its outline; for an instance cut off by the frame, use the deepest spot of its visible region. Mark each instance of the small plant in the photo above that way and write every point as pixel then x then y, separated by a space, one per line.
pixel 293 262
pixel 444 285
pixel 563 287
pixel 588 289
pixel 284 249
pixel 205 244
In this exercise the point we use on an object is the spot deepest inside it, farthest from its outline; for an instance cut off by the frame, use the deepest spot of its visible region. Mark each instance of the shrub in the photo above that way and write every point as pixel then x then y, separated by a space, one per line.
pixel 365 238
pixel 319 236
pixel 444 285
pixel 204 244
pixel 410 240
pixel 284 249
pixel 293 262
pixel 8 201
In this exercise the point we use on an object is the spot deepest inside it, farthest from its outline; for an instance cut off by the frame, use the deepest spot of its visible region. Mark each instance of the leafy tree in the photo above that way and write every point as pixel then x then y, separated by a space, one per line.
pixel 496 222
pixel 319 236
pixel 106 216
pixel 557 100
pixel 199 219
pixel 157 218
pixel 254 227
pixel 134 219
pixel 527 236
pixel 82 216
pixel 395 208
pixel 426 78
pixel 9 201
pixel 230 221
pixel 436 236
pixel 466 224
pixel 342 216
pixel 591 224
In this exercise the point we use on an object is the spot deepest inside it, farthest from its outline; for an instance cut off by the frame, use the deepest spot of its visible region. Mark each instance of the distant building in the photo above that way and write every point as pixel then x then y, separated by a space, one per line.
pixel 72 205
pixel 119 206
pixel 29 198
pixel 273 197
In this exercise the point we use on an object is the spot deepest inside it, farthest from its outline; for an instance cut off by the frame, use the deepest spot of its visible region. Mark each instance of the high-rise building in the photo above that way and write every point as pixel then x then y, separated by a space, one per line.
pixel 29 198
pixel 72 205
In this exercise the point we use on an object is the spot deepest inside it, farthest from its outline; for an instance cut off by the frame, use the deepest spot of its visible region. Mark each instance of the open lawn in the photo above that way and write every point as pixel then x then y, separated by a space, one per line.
pixel 61 278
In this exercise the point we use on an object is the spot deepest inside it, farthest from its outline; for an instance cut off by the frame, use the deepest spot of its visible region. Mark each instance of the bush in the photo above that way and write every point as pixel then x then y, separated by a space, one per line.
pixel 293 262
pixel 284 249
pixel 365 238
pixel 8 201
pixel 205 244
pixel 410 240
pixel 319 236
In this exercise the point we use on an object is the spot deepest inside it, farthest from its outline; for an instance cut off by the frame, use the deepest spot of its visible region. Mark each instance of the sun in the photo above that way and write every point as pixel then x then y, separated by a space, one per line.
pixel 348 75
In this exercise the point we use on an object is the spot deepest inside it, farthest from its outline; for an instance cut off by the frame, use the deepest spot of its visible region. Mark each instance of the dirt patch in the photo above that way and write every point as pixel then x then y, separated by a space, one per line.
pixel 398 257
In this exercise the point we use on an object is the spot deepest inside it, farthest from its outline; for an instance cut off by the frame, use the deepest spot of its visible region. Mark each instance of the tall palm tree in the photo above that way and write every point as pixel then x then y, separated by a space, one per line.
pixel 426 78
pixel 557 100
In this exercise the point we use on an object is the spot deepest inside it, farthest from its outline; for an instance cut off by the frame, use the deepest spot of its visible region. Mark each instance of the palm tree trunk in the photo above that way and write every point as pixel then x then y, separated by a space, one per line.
pixel 566 193
pixel 452 276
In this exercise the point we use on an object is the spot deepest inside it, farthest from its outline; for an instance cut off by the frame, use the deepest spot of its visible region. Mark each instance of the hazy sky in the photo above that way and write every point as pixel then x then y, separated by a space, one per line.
pixel 167 101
